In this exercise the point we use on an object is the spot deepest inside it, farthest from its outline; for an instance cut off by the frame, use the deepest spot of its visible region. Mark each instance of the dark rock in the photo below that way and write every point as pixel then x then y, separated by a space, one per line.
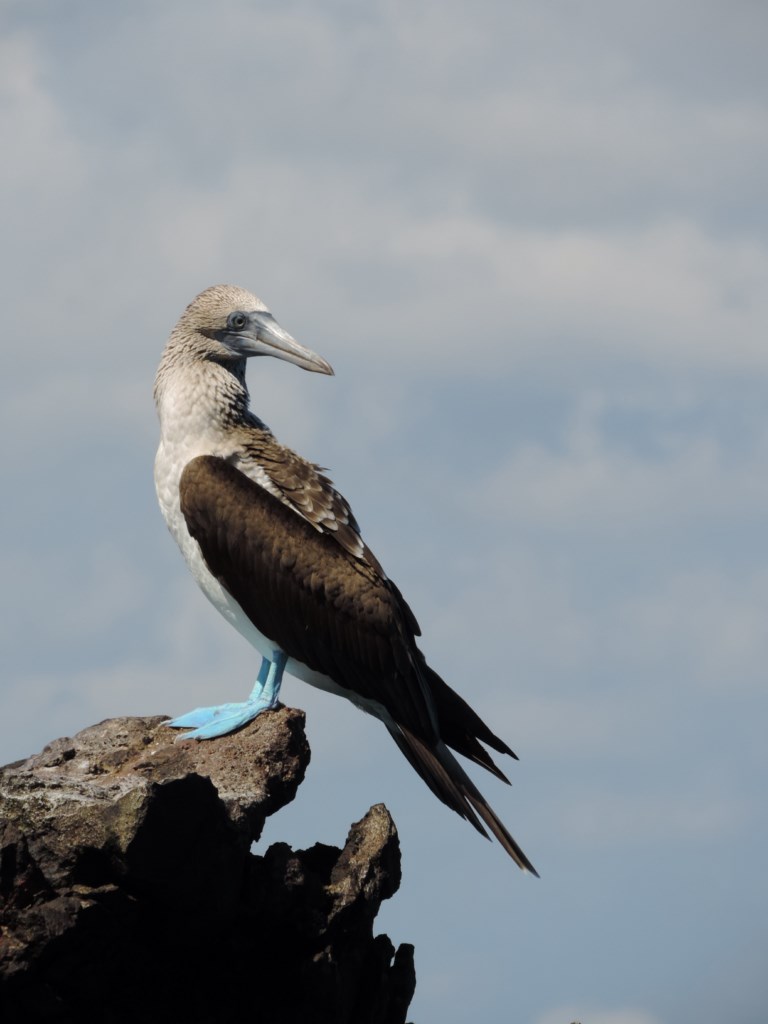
pixel 128 890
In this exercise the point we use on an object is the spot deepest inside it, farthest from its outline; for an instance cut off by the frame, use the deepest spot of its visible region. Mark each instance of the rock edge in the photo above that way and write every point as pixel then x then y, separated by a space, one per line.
pixel 128 890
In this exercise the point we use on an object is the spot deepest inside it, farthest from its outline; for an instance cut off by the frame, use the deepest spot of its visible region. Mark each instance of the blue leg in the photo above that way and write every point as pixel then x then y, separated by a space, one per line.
pixel 225 718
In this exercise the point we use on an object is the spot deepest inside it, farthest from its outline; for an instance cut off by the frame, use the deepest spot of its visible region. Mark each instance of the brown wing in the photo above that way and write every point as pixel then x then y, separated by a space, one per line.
pixel 333 612
pixel 339 615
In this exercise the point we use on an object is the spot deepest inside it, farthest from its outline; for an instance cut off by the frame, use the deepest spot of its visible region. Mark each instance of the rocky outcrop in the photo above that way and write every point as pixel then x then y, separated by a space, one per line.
pixel 129 892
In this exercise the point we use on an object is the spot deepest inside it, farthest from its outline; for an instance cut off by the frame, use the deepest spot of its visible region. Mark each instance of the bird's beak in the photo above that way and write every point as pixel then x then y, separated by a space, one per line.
pixel 265 337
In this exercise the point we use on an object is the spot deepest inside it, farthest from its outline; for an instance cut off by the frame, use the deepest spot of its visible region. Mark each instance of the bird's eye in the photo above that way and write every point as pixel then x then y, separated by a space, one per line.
pixel 237 321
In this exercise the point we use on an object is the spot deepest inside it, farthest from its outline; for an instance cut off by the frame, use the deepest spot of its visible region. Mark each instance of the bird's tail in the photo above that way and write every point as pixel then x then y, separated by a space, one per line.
pixel 460 726
pixel 450 783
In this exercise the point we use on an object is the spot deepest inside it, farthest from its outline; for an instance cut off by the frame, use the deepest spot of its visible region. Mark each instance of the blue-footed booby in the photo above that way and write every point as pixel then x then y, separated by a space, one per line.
pixel 277 550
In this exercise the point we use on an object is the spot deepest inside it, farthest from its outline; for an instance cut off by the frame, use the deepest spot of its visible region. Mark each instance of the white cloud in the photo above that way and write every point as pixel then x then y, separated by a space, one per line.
pixel 705 627
pixel 594 482
pixel 658 295
pixel 34 127
pixel 482 293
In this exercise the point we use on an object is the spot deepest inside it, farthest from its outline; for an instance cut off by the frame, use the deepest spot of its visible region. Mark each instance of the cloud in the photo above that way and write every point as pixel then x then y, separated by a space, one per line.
pixel 705 626
pixel 613 479
pixel 37 124
pixel 446 289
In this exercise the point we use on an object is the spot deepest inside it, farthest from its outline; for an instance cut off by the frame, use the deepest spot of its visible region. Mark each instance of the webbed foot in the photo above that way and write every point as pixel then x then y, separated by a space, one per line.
pixel 221 719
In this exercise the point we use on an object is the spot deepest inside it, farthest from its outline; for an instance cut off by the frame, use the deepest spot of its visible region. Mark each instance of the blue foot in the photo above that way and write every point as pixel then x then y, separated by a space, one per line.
pixel 206 723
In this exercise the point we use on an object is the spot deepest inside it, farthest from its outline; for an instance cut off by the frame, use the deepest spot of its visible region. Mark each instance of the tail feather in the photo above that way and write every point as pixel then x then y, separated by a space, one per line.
pixel 474 751
pixel 460 726
pixel 450 783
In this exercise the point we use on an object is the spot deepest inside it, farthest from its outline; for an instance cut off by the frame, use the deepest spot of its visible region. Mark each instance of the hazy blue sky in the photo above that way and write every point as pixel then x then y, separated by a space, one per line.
pixel 532 239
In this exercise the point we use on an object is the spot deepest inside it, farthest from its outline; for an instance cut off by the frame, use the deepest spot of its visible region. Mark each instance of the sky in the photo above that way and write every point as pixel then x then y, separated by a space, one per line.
pixel 532 240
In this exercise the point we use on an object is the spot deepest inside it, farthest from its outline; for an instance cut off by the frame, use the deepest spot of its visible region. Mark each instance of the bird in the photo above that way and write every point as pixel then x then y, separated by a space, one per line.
pixel 277 550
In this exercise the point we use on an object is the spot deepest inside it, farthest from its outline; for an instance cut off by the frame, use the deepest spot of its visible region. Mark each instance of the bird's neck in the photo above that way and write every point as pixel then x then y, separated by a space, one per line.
pixel 199 397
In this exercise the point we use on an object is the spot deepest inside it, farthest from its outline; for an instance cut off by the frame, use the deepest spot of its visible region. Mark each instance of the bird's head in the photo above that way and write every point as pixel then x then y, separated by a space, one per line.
pixel 231 324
